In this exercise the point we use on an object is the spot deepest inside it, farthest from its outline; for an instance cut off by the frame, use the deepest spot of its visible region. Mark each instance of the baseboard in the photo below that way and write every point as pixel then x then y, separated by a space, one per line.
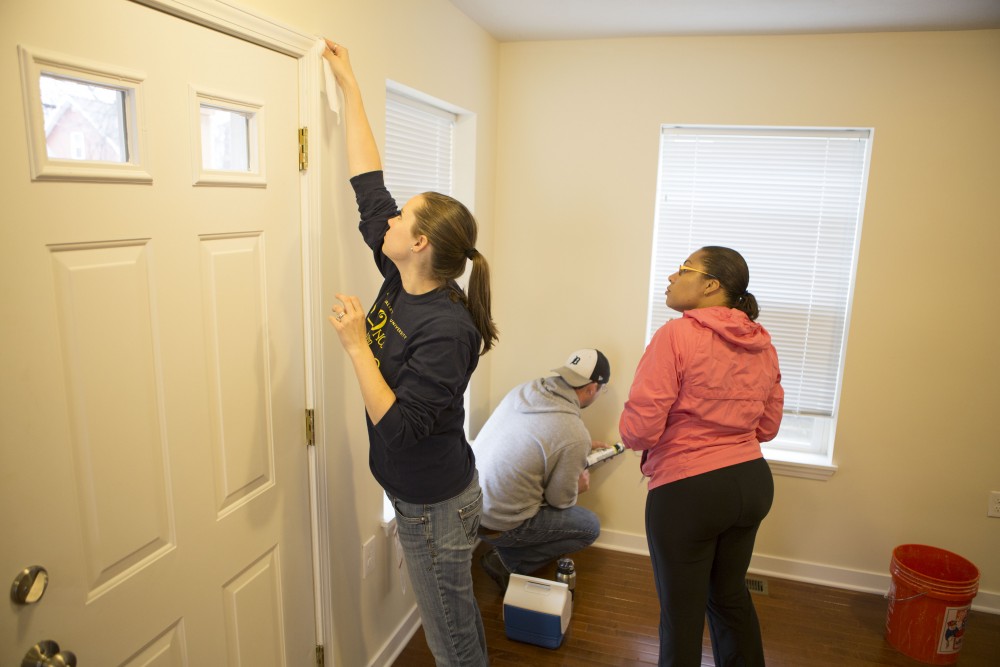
pixel 812 573
pixel 397 640
pixel 763 565
pixel 619 541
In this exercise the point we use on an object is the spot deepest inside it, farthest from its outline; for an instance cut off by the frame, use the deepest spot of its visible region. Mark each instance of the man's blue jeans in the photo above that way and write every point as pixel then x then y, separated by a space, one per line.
pixel 438 541
pixel 548 535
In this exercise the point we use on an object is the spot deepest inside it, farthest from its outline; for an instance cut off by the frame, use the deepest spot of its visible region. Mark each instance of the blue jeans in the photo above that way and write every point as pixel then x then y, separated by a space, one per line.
pixel 544 537
pixel 438 540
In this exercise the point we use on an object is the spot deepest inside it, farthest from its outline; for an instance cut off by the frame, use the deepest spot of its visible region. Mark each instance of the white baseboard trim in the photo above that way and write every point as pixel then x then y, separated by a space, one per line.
pixel 398 640
pixel 768 566
pixel 812 573
pixel 619 541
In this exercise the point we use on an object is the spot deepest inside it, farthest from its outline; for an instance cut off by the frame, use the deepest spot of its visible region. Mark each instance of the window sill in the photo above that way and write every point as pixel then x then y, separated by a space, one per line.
pixel 798 464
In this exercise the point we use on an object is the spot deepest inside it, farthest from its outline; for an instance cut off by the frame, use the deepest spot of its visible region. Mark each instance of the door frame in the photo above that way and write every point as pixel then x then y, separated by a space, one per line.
pixel 263 31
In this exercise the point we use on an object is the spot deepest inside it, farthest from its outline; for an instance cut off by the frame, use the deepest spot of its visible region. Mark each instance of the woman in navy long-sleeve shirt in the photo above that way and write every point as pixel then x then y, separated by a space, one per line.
pixel 413 353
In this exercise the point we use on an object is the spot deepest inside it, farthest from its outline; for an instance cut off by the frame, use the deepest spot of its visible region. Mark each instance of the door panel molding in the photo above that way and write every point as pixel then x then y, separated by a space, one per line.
pixel 266 32
pixel 107 311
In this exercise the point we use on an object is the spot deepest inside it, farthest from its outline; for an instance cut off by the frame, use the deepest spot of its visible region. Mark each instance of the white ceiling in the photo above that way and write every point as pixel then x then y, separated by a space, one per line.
pixel 526 20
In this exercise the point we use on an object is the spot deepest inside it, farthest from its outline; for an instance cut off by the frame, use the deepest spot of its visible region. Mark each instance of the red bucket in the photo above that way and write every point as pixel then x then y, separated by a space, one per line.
pixel 929 601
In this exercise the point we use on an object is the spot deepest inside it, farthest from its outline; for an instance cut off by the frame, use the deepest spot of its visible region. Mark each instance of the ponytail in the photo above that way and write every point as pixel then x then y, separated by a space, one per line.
pixel 480 300
pixel 452 231
pixel 747 302
pixel 733 274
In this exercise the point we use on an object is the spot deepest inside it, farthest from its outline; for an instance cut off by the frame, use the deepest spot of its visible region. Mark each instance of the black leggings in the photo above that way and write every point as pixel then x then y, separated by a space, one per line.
pixel 701 532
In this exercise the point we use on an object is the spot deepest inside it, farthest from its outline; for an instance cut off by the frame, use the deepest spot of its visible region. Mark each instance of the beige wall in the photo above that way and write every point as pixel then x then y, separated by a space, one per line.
pixel 564 180
pixel 917 446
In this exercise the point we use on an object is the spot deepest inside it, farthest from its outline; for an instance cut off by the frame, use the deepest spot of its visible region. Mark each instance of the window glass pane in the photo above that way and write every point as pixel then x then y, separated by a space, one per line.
pixel 83 121
pixel 419 148
pixel 790 201
pixel 225 139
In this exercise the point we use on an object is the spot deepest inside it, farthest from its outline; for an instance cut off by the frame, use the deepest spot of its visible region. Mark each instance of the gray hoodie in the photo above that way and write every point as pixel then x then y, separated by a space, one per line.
pixel 531 452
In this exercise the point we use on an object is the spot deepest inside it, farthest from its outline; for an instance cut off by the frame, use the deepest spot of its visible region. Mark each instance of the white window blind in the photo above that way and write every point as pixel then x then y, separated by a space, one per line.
pixel 790 201
pixel 419 157
pixel 419 147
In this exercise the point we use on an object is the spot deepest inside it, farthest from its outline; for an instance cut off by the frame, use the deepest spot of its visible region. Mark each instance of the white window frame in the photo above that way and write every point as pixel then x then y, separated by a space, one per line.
pixel 689 216
pixel 441 138
pixel 253 110
pixel 34 63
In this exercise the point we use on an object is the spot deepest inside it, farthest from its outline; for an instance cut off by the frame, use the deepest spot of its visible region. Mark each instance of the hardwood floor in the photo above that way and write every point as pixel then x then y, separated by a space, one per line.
pixel 616 612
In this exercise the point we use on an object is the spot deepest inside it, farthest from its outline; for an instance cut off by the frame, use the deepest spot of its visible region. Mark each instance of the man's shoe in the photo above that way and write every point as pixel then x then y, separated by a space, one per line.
pixel 495 568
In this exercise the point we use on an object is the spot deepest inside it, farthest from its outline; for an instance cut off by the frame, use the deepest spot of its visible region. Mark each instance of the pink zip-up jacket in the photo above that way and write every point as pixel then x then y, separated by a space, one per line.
pixel 706 393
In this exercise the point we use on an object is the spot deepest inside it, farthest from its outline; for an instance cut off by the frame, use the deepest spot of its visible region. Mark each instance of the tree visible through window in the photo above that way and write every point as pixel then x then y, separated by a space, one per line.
pixel 83 120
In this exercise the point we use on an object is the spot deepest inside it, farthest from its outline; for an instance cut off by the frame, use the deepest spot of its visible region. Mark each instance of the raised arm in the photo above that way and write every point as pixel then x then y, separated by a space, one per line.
pixel 362 151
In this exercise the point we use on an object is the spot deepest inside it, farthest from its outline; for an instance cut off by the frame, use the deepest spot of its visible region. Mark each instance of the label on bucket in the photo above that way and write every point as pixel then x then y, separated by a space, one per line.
pixel 953 629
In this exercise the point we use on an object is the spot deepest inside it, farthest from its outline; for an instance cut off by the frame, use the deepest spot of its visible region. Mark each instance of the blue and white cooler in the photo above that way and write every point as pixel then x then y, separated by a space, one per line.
pixel 536 611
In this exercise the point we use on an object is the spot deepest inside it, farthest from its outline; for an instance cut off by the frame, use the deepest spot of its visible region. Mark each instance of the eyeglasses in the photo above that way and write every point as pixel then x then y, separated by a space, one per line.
pixel 681 269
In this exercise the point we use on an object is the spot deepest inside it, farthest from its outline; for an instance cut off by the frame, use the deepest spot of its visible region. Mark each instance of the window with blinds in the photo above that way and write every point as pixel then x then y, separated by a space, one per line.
pixel 419 156
pixel 419 147
pixel 791 202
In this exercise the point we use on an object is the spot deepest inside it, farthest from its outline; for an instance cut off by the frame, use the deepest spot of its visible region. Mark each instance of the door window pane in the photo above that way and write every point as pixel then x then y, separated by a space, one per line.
pixel 83 120
pixel 225 139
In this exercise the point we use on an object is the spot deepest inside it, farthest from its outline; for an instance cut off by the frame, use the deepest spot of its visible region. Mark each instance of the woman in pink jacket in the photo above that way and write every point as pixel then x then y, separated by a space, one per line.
pixel 706 393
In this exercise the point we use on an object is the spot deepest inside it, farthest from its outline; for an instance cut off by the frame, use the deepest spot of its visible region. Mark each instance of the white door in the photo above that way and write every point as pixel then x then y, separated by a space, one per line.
pixel 152 373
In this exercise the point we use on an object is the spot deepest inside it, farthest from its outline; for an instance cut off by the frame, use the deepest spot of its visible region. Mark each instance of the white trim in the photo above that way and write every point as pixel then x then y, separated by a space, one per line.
pixel 311 115
pixel 793 570
pixel 848 579
pixel 386 656
pixel 421 101
pixel 238 22
pixel 741 130
pixel 616 540
pixel 809 467
pixel 256 29
pixel 768 566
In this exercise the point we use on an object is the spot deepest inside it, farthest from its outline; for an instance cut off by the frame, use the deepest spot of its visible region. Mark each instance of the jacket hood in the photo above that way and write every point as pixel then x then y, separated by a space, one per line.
pixel 732 325
pixel 549 394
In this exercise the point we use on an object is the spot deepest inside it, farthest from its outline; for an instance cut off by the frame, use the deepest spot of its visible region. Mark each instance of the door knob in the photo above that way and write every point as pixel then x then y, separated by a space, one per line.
pixel 46 653
pixel 29 585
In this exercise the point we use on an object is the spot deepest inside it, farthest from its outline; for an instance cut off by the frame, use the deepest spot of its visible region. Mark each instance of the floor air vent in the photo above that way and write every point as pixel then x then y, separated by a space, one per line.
pixel 757 585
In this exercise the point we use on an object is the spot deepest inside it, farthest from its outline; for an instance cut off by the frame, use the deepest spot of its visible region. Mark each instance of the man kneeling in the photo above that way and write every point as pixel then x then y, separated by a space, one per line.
pixel 532 460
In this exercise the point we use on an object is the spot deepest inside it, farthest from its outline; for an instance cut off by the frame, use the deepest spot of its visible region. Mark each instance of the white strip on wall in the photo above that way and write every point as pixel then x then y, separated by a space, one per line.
pixel 812 573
